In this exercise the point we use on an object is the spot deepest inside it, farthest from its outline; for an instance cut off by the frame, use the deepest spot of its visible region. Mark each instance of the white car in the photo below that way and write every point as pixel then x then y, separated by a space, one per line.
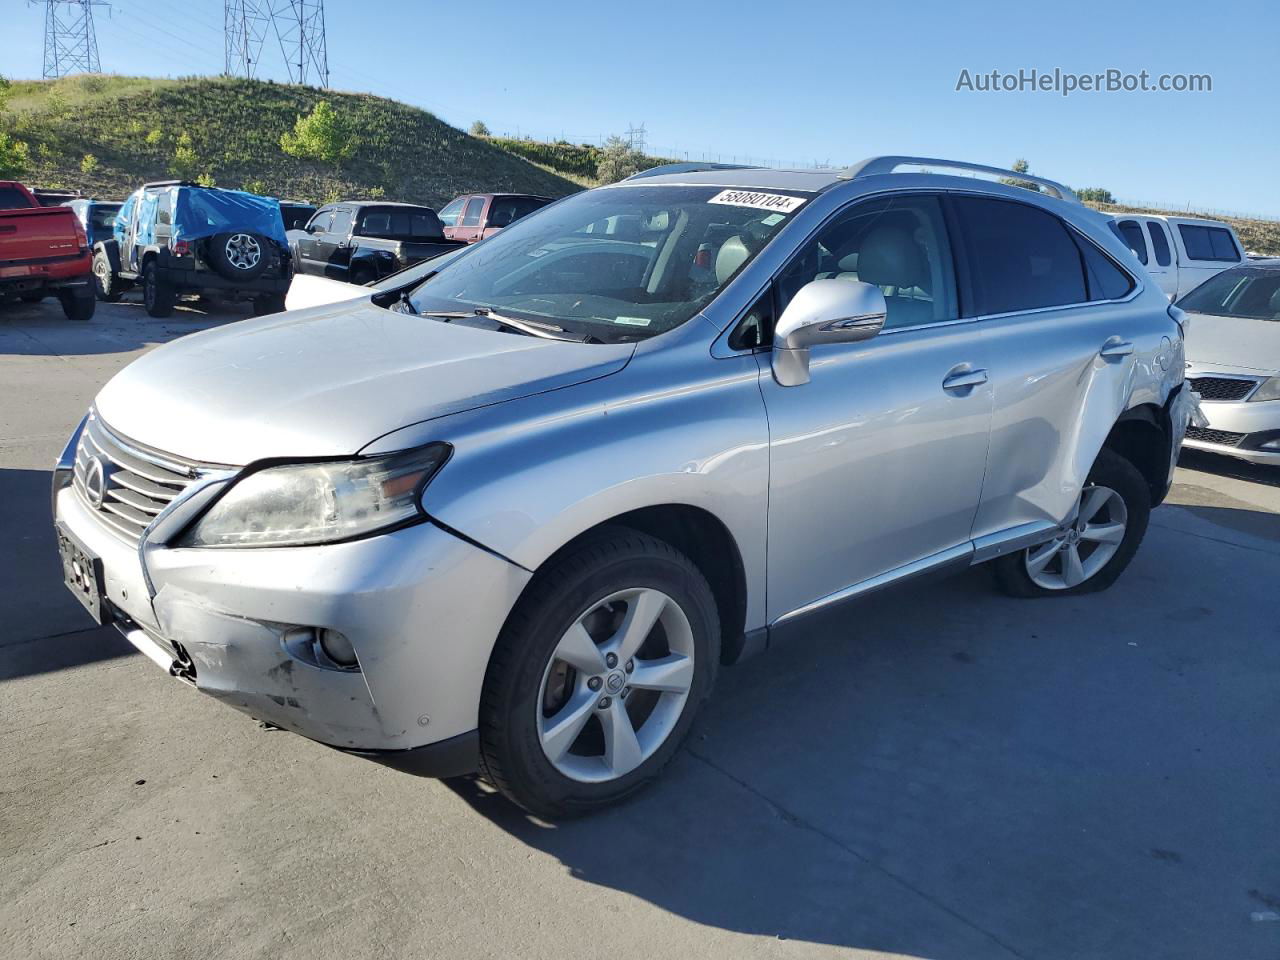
pixel 1233 361
pixel 1180 253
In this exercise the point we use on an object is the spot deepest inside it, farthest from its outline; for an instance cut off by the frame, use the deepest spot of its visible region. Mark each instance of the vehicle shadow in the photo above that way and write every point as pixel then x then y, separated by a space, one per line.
pixel 41 329
pixel 943 772
pixel 45 629
pixel 1229 467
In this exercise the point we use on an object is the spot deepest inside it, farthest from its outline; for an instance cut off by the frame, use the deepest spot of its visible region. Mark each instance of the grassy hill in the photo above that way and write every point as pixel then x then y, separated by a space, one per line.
pixel 132 126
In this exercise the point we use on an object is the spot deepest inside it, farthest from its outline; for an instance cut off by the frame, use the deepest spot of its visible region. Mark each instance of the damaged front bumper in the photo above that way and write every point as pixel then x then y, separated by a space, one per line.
pixel 421 608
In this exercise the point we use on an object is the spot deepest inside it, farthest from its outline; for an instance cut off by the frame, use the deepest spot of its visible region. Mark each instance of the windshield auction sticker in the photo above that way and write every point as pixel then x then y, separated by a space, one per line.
pixel 761 201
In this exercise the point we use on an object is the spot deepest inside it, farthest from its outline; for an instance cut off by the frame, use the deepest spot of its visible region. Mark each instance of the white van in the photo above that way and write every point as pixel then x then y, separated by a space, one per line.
pixel 1180 253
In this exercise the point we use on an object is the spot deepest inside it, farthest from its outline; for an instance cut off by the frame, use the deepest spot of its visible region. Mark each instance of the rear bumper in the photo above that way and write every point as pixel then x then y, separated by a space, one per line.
pixel 55 274
pixel 194 281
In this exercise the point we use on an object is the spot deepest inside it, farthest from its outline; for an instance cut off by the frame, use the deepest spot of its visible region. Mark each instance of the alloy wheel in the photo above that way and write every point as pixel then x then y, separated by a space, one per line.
pixel 1086 546
pixel 616 685
pixel 243 251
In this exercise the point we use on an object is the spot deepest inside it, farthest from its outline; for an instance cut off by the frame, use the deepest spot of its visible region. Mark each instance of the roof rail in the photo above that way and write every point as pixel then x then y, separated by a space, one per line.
pixel 875 166
pixel 169 183
pixel 690 167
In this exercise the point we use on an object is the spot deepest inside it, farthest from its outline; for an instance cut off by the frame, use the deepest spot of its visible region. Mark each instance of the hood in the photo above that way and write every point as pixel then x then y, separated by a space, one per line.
pixel 1240 343
pixel 329 380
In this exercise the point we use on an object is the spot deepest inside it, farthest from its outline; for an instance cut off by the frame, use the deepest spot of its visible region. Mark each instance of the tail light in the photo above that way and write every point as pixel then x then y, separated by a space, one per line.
pixel 180 248
pixel 81 237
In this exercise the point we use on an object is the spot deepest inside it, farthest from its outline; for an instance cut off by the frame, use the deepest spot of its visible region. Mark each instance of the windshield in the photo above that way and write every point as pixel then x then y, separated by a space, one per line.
pixel 614 264
pixel 1237 293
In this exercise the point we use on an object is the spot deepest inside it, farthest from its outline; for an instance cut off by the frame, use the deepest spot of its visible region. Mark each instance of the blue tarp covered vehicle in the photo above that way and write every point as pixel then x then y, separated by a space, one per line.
pixel 176 237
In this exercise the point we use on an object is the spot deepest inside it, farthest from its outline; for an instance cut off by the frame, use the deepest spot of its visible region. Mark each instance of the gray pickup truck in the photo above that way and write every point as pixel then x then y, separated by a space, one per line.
pixel 361 241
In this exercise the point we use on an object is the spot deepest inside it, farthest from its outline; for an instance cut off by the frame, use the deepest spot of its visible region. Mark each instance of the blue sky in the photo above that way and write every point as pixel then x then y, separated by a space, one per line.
pixel 822 81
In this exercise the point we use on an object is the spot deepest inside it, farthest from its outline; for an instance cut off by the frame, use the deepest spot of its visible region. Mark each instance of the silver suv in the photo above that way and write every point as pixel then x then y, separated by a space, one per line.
pixel 514 514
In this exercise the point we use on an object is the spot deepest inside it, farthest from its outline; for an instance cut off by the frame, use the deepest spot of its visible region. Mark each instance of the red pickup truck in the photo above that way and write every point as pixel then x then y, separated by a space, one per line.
pixel 474 216
pixel 44 251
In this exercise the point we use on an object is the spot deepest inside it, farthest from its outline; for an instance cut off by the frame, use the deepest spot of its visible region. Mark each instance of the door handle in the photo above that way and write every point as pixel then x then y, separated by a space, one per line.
pixel 1115 348
pixel 963 378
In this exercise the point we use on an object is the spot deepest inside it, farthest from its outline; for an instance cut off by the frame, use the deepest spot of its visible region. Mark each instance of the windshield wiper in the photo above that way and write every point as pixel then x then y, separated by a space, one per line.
pixel 547 331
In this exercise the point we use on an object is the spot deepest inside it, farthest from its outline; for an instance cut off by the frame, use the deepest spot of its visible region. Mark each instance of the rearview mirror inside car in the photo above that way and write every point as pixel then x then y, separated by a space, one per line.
pixel 823 311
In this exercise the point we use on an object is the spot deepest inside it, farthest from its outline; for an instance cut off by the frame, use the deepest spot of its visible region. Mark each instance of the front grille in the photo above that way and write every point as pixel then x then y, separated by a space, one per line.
pixel 1224 437
pixel 136 484
pixel 1222 388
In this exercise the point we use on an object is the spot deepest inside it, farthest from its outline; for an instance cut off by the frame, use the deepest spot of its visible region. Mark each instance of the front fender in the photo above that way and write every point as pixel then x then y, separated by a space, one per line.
pixel 529 475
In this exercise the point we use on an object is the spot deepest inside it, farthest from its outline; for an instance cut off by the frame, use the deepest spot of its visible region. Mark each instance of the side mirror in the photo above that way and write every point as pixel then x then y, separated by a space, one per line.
pixel 823 311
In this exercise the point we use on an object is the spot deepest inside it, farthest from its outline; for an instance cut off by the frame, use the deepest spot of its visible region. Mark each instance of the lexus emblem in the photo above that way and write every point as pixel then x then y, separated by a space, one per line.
pixel 95 482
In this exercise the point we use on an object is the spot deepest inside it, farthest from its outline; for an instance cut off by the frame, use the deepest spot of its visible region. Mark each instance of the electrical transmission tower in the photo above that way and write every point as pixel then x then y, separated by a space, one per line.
pixel 298 26
pixel 70 43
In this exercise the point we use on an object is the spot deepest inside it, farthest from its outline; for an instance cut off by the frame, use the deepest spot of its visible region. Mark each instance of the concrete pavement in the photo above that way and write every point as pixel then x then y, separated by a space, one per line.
pixel 938 772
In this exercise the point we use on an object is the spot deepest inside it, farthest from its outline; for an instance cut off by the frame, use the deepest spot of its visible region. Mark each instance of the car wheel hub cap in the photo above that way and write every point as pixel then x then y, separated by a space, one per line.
pixel 616 685
pixel 243 251
pixel 1077 554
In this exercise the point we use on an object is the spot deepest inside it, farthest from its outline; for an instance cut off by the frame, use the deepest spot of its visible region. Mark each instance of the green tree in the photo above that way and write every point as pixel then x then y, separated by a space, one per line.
pixel 1095 195
pixel 185 163
pixel 88 163
pixel 618 160
pixel 1021 166
pixel 15 157
pixel 479 129
pixel 323 135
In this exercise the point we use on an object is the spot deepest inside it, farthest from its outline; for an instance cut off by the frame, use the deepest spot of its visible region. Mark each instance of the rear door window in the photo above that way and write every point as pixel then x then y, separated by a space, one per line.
pixel 471 218
pixel 1019 257
pixel 1131 233
pixel 1208 243
pixel 1159 243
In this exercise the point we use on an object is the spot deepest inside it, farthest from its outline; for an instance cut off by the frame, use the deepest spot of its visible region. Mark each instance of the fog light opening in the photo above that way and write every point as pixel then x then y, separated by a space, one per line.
pixel 337 648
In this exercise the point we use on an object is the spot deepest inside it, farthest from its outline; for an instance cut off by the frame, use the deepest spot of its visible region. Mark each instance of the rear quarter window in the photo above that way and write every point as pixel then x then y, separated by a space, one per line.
pixel 1208 243
pixel 1019 257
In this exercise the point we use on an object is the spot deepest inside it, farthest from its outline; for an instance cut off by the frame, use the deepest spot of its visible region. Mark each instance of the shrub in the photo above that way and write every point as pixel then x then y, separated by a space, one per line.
pixel 88 163
pixel 255 186
pixel 206 180
pixel 185 162
pixel 154 137
pixel 15 157
pixel 323 135
pixel 1095 195
pixel 479 129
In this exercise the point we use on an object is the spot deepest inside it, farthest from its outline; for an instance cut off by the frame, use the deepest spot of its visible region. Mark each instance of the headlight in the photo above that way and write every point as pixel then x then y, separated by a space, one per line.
pixel 1269 389
pixel 319 502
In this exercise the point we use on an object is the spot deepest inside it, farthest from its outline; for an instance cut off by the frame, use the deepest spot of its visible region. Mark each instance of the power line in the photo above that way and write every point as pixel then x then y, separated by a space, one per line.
pixel 299 28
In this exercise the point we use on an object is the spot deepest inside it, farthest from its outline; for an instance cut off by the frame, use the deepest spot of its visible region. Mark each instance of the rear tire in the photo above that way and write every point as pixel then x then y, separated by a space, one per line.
pixel 78 303
pixel 616 715
pixel 1113 512
pixel 107 286
pixel 157 296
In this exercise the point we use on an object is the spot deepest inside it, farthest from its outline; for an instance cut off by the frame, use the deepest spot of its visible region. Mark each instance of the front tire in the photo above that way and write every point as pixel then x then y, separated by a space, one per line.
pixel 1092 552
pixel 106 284
pixel 598 674
pixel 78 303
pixel 157 296
pixel 270 303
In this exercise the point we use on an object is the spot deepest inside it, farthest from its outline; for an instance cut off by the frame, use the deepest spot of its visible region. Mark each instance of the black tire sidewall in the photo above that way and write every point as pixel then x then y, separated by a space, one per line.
pixel 157 297
pixel 78 303
pixel 513 755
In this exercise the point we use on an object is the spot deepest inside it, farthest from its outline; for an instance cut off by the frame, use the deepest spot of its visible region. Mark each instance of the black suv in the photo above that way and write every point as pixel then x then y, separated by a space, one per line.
pixel 176 237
